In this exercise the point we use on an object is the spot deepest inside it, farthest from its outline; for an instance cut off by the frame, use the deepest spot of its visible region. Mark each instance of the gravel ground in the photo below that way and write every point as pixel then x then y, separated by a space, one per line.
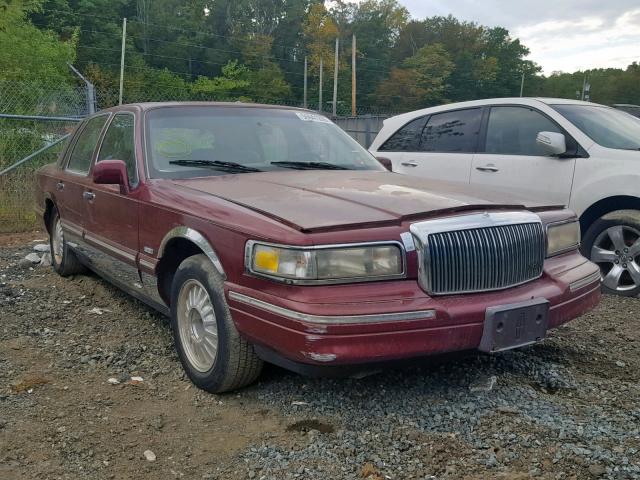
pixel 69 408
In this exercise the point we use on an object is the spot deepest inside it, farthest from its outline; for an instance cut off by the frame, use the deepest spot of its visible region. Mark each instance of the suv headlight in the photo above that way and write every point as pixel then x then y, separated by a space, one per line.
pixel 330 264
pixel 562 237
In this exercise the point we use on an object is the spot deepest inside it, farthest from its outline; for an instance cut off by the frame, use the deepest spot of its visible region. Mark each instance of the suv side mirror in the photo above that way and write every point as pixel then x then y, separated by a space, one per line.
pixel 552 142
pixel 111 172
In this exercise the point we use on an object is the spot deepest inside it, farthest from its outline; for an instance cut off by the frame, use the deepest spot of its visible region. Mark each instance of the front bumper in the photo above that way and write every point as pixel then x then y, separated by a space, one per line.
pixel 398 321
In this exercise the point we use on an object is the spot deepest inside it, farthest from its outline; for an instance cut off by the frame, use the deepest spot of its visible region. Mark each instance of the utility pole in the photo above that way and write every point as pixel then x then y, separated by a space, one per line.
pixel 320 89
pixel 584 84
pixel 124 38
pixel 335 80
pixel 353 76
pixel 304 101
pixel 522 84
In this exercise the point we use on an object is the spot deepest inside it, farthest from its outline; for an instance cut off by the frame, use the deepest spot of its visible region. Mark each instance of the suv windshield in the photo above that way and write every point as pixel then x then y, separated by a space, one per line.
pixel 195 141
pixel 606 126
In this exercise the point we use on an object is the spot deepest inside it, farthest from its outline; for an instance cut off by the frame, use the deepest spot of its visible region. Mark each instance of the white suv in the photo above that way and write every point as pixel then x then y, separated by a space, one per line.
pixel 556 151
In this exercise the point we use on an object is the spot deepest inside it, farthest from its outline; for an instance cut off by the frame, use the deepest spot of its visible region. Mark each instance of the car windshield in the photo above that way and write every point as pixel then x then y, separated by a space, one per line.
pixel 606 126
pixel 195 141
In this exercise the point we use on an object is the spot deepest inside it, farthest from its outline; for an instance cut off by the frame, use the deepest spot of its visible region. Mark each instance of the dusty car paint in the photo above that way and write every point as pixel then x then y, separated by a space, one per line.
pixel 123 238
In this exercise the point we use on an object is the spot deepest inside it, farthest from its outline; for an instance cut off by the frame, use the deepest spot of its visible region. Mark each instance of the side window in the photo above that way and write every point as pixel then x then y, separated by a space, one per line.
pixel 118 144
pixel 80 158
pixel 513 131
pixel 406 139
pixel 450 132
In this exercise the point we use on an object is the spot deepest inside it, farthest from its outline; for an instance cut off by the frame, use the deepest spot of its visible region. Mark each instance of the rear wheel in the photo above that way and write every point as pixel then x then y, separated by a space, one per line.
pixel 63 260
pixel 214 355
pixel 613 243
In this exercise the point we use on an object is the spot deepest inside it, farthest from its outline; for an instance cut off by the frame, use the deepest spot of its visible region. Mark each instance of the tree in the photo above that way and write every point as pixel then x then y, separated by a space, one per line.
pixel 30 53
pixel 420 82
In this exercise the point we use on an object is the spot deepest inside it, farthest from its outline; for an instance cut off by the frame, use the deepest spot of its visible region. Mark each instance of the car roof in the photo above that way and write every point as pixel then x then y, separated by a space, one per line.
pixel 144 106
pixel 530 101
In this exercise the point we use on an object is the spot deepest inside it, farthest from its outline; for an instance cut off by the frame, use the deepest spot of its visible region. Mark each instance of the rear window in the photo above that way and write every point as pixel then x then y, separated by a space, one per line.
pixel 406 139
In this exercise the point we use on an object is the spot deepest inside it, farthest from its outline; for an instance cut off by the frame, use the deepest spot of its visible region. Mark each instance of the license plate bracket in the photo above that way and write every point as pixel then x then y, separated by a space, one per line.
pixel 514 325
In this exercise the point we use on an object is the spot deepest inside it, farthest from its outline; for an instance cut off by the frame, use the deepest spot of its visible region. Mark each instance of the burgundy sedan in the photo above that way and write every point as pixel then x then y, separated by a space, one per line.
pixel 268 234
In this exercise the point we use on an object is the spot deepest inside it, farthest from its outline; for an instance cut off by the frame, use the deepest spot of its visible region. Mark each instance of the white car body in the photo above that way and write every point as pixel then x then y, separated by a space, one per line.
pixel 579 183
pixel 591 179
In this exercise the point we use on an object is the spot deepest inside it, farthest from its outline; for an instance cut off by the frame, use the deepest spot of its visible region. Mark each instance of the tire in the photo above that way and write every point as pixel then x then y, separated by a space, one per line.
pixel 63 260
pixel 613 243
pixel 198 310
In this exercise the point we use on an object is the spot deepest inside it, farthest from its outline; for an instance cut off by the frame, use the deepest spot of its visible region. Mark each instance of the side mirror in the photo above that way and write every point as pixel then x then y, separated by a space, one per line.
pixel 552 142
pixel 386 163
pixel 111 172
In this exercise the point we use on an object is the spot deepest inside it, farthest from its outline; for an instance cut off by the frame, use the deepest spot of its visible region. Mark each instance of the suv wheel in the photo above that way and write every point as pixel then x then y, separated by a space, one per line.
pixel 613 242
pixel 210 348
pixel 63 260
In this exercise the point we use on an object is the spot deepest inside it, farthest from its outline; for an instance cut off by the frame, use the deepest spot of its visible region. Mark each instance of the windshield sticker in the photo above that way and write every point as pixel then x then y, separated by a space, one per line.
pixel 312 117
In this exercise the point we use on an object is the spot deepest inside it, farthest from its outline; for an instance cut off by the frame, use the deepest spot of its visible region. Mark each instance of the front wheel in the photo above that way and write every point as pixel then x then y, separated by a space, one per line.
pixel 613 243
pixel 214 355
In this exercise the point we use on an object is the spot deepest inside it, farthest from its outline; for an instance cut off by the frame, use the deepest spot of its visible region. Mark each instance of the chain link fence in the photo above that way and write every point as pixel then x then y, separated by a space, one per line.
pixel 34 115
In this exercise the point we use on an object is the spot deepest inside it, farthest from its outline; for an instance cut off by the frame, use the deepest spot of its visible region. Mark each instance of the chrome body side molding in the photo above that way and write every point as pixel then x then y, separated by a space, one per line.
pixel 332 319
pixel 197 238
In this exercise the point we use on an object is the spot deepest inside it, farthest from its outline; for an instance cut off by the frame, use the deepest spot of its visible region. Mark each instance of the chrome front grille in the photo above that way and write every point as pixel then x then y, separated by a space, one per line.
pixel 475 253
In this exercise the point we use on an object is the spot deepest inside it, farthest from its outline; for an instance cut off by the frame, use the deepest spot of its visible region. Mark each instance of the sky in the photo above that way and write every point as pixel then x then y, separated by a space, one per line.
pixel 563 35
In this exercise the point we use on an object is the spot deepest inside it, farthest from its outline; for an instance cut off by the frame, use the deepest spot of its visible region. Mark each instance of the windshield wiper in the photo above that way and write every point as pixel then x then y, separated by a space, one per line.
pixel 215 165
pixel 310 165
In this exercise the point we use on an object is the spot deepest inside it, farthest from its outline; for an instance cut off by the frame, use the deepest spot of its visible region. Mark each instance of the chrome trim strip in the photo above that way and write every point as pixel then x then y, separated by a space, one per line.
pixel 248 257
pixel 72 228
pixel 91 238
pixel 583 282
pixel 332 319
pixel 568 249
pixel 146 264
pixel 197 238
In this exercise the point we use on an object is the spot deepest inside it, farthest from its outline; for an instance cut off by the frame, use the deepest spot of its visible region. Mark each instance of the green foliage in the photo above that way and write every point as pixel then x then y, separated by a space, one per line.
pixel 29 53
pixel 254 49
pixel 420 82
pixel 234 80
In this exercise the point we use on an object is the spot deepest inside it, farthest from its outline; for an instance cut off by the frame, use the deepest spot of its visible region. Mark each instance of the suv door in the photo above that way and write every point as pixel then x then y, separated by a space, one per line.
pixel 510 159
pixel 74 178
pixel 446 146
pixel 112 217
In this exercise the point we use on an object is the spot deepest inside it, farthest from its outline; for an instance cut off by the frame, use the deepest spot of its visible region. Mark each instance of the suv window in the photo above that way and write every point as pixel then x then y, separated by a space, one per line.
pixel 406 139
pixel 513 131
pixel 118 144
pixel 80 158
pixel 455 131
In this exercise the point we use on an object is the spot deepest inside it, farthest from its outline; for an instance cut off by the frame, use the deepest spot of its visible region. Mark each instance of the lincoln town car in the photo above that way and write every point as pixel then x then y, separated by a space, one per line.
pixel 267 234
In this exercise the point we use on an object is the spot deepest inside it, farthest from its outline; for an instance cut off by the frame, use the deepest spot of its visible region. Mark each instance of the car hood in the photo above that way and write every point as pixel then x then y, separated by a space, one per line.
pixel 319 199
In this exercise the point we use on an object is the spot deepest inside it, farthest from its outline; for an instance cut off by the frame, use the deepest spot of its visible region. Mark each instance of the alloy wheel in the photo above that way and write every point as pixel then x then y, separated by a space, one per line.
pixel 616 250
pixel 197 325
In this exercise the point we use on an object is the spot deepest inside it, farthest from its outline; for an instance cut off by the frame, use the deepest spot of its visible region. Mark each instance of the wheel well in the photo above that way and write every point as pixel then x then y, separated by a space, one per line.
pixel 48 208
pixel 607 205
pixel 175 252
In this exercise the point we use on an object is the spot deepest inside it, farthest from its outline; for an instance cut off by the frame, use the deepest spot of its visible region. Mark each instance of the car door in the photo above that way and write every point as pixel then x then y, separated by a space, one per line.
pixel 509 158
pixel 111 230
pixel 74 178
pixel 446 146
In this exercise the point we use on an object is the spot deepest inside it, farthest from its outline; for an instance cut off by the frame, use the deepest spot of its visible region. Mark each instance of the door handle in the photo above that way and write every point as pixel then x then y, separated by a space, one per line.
pixel 488 168
pixel 88 195
pixel 409 164
pixel 59 185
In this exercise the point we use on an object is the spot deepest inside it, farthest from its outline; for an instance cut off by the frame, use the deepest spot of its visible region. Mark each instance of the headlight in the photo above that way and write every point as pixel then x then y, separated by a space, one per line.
pixel 325 264
pixel 562 237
